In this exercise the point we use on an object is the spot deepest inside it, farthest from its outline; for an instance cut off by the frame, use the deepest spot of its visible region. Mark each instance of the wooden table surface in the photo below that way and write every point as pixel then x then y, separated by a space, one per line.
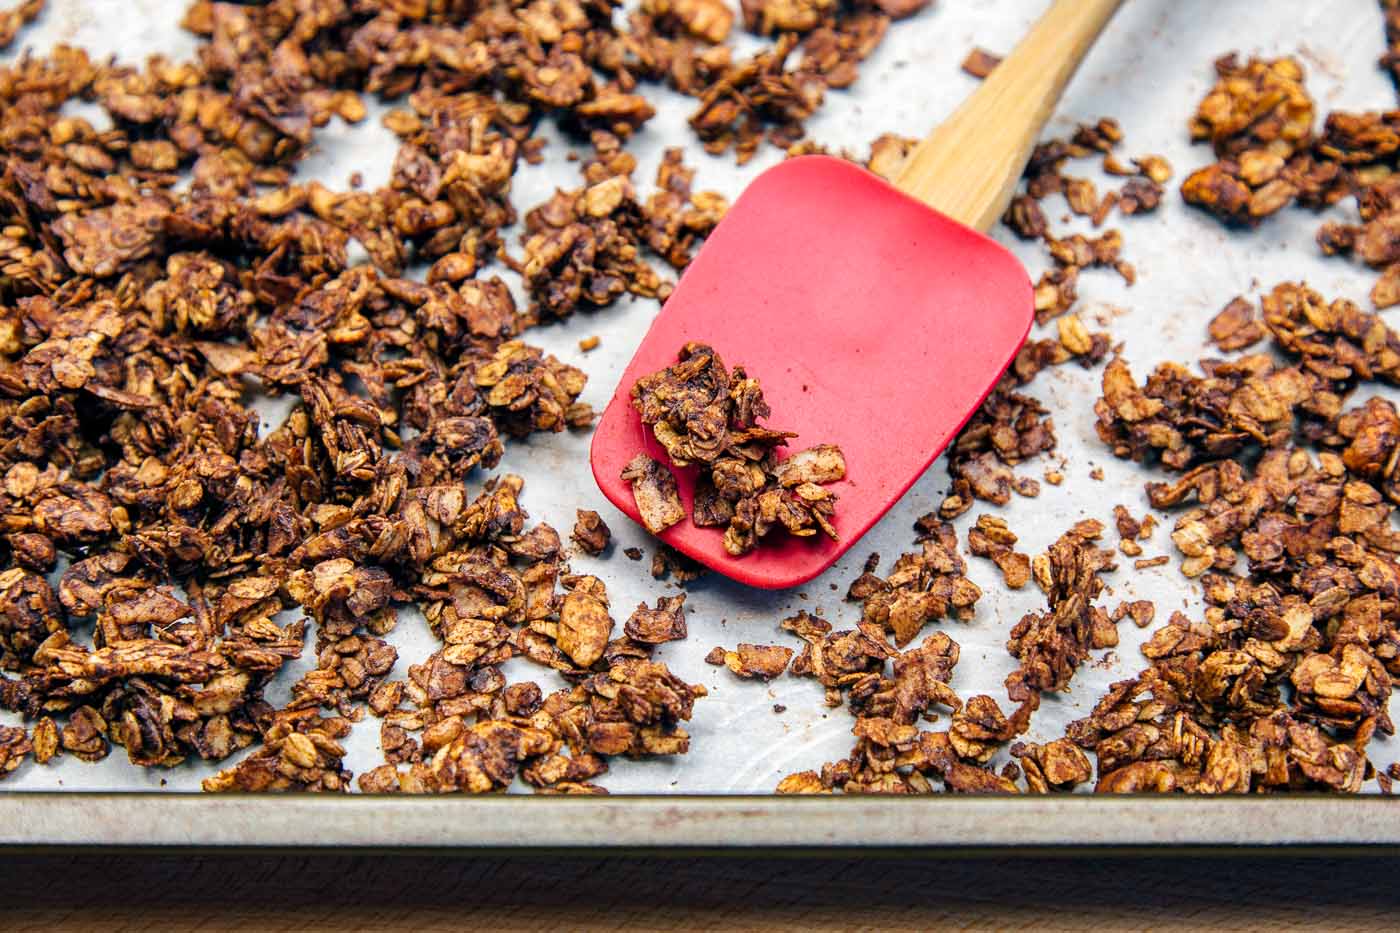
pixel 265 892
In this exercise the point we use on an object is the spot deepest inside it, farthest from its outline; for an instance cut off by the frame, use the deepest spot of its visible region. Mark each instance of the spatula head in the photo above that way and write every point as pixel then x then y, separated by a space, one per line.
pixel 871 321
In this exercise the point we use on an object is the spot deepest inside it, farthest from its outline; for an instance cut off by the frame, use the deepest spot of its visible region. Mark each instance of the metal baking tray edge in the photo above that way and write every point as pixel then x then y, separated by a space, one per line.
pixel 711 822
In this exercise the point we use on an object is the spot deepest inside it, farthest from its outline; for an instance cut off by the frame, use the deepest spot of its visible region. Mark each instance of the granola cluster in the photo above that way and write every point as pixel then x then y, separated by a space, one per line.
pixel 748 661
pixel 1261 122
pixel 890 692
pixel 707 416
pixel 15 18
pixel 923 586
pixel 993 539
pixel 1283 511
pixel 1051 645
pixel 585 248
pixel 818 44
pixel 1056 291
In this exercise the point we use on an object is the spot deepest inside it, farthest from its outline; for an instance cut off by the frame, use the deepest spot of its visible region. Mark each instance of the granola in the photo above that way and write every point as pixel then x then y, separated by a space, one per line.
pixel 705 415
pixel 991 538
pixel 591 533
pixel 890 692
pixel 167 555
pixel 155 272
pixel 979 62
pixel 16 18
pixel 1051 645
pixel 1260 119
pixel 665 622
pixel 922 587
pixel 1286 679
pixel 748 661
pixel 15 746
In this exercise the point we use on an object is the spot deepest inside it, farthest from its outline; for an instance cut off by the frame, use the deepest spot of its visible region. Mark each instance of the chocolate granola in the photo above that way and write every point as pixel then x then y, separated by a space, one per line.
pixel 707 416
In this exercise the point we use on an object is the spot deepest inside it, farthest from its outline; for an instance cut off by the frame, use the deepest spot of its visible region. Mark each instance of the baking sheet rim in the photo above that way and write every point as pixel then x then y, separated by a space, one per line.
pixel 507 822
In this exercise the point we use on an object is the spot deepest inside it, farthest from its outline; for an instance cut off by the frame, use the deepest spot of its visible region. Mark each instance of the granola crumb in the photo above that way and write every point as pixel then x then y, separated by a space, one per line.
pixel 979 62
pixel 591 533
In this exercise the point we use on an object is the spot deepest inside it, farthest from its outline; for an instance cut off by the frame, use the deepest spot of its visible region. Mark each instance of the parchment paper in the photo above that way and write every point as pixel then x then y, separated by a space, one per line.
pixel 1148 70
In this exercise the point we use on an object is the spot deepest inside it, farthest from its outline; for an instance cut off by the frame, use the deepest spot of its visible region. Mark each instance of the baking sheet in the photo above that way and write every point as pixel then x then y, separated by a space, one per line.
pixel 1148 71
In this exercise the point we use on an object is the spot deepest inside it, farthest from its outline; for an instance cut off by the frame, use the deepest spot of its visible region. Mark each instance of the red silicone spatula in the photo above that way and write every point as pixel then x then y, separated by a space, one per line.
pixel 876 316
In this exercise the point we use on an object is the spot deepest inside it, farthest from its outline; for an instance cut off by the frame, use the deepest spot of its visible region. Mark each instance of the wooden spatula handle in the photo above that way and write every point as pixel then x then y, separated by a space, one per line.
pixel 968 167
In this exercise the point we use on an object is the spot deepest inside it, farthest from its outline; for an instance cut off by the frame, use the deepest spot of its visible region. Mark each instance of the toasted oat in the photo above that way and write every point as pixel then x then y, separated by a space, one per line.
pixel 15 746
pixel 654 488
pixel 1235 327
pixel 1141 611
pixel 16 18
pixel 761 661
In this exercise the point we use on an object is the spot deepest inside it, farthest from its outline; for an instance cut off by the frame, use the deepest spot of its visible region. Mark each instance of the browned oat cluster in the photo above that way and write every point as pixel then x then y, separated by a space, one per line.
pixel 1051 645
pixel 739 100
pixel 1056 291
pixel 892 755
pixel 993 539
pixel 14 19
pixel 924 585
pixel 762 661
pixel 1260 120
pixel 707 416
pixel 1284 503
